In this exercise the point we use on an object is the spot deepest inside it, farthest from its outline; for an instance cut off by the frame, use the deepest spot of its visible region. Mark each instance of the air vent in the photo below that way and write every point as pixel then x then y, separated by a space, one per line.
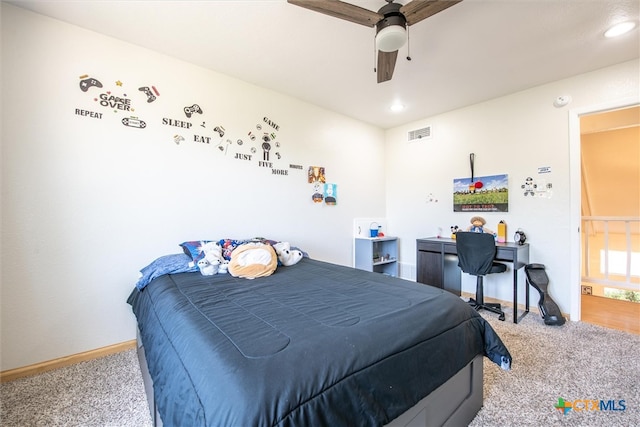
pixel 419 134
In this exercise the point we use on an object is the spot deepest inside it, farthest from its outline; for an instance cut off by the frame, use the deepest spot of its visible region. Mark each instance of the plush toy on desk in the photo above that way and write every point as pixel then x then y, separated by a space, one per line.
pixel 477 226
pixel 286 255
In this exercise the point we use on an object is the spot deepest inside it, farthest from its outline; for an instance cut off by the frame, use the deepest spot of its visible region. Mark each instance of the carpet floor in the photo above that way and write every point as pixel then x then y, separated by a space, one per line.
pixel 577 362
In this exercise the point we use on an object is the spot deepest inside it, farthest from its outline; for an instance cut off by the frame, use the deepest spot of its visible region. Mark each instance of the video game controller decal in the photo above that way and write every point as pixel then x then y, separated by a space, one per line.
pixel 150 95
pixel 86 83
pixel 220 130
pixel 195 108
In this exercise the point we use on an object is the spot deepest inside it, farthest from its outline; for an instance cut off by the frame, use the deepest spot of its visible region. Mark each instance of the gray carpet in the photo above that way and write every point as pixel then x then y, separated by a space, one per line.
pixel 576 361
pixel 97 393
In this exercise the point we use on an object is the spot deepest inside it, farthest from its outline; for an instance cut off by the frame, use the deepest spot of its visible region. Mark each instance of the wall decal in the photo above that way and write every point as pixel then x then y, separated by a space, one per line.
pixel 122 103
pixel 537 188
pixel 220 130
pixel 202 138
pixel 195 108
pixel 492 196
pixel 87 113
pixel 271 123
pixel 259 146
pixel 134 122
pixel 224 148
pixel 176 123
pixel 316 174
pixel 88 83
pixel 150 96
pixel 529 186
pixel 317 195
pixel 266 146
pixel 330 194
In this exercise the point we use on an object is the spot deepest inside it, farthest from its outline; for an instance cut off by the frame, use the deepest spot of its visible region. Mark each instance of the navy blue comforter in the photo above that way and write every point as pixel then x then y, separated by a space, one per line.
pixel 313 344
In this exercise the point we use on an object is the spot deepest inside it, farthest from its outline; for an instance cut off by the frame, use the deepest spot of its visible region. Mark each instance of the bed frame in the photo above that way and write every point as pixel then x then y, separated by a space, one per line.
pixel 454 403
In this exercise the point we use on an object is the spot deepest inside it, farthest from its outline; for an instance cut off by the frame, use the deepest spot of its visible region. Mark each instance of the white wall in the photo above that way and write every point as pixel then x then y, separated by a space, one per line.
pixel 512 135
pixel 87 202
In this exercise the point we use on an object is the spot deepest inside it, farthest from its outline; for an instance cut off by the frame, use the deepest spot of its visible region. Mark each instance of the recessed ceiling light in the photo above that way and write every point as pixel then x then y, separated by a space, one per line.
pixel 620 29
pixel 397 107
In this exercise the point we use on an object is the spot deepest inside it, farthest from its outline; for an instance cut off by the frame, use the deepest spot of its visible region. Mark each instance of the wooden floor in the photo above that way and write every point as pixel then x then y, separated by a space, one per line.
pixel 611 313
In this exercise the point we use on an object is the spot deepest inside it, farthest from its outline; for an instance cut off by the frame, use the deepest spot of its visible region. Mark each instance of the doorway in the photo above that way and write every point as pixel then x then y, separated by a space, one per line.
pixel 610 218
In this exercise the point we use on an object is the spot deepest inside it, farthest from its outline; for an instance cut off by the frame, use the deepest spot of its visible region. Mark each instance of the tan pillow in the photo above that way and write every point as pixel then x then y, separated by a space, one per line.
pixel 253 260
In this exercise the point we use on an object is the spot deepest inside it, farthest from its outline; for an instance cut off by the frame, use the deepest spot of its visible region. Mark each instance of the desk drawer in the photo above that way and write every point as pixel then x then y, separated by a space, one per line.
pixel 503 254
pixel 450 249
pixel 429 247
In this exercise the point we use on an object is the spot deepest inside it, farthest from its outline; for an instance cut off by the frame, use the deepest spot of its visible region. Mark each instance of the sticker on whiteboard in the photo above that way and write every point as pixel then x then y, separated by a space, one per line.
pixel 544 169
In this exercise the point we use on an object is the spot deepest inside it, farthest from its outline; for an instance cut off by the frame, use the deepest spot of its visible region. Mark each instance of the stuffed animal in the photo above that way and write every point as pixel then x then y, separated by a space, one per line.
pixel 477 226
pixel 286 255
pixel 212 252
pixel 253 259
pixel 223 268
pixel 209 259
pixel 208 268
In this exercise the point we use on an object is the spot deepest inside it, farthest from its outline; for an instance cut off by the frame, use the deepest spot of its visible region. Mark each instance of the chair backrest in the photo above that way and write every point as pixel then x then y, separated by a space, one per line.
pixel 476 252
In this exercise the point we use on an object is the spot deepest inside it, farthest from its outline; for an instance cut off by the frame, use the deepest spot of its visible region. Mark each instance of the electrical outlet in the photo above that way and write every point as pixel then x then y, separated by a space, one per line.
pixel 586 290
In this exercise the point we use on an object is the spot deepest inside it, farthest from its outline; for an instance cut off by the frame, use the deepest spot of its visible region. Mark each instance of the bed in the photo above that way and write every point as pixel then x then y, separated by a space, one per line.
pixel 313 344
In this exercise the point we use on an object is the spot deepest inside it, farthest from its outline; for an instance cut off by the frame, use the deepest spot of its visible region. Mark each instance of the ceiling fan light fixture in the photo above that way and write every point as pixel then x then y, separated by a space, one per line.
pixel 391 38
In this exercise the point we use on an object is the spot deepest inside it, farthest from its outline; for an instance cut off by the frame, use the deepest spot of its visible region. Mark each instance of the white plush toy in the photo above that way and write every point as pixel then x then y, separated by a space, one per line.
pixel 286 255
pixel 212 252
pixel 223 268
pixel 208 268
pixel 209 265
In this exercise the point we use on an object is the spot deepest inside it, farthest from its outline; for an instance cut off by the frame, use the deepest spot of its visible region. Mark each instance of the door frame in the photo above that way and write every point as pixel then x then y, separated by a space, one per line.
pixel 575 172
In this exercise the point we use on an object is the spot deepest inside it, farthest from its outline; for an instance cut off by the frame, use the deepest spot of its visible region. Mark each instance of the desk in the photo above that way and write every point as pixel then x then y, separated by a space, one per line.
pixel 437 265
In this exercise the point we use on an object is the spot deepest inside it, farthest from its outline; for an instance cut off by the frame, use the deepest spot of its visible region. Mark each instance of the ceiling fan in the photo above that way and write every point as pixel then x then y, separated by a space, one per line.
pixel 391 23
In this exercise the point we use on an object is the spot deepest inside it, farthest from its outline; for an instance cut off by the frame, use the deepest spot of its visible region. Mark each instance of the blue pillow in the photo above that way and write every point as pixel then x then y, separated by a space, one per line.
pixel 192 249
pixel 168 264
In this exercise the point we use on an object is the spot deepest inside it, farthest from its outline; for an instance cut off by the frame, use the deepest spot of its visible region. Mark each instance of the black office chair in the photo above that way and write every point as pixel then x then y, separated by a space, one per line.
pixel 476 252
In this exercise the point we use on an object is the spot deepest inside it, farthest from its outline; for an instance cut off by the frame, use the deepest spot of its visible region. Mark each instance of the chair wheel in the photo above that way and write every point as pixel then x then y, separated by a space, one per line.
pixel 501 317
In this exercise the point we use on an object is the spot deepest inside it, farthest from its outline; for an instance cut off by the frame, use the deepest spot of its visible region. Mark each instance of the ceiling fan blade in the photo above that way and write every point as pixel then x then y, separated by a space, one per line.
pixel 386 64
pixel 342 10
pixel 417 10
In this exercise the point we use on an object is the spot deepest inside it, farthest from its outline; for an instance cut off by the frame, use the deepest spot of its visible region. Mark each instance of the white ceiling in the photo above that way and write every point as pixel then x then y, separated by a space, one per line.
pixel 474 51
